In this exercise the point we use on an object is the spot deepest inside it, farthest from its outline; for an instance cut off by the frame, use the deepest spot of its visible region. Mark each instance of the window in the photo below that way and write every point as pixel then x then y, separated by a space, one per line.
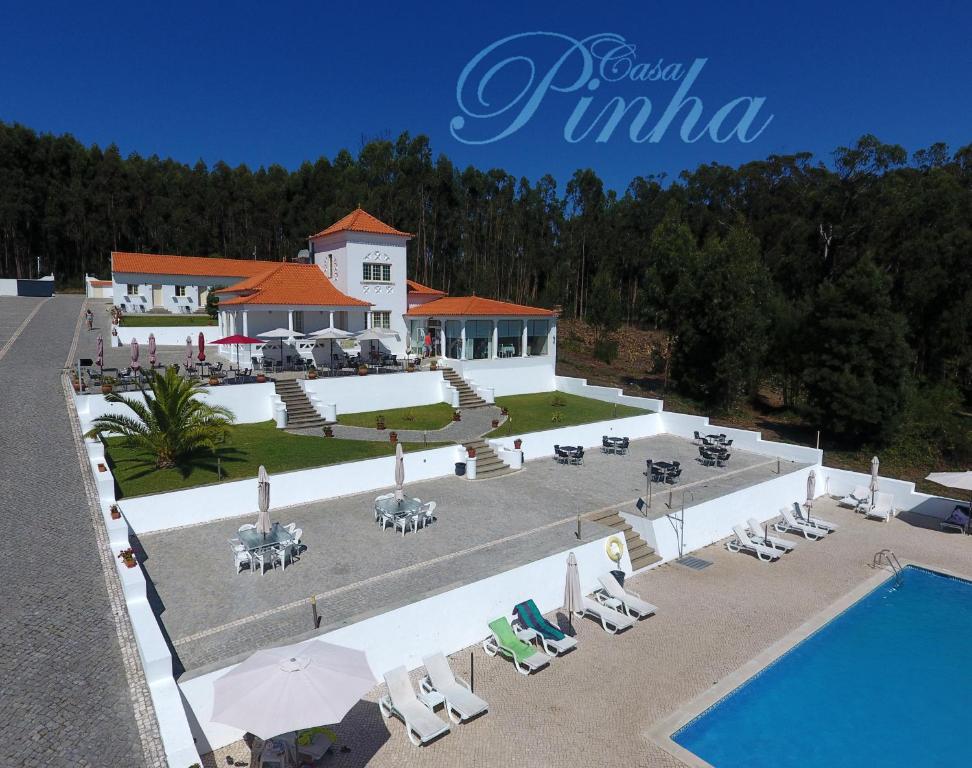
pixel 380 273
pixel 537 331
pixel 133 290
pixel 453 329
pixel 479 339
pixel 299 322
pixel 180 291
pixel 381 319
pixel 510 336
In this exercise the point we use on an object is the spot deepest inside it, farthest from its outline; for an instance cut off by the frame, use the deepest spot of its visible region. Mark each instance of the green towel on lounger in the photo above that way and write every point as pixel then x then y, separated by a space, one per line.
pixel 507 638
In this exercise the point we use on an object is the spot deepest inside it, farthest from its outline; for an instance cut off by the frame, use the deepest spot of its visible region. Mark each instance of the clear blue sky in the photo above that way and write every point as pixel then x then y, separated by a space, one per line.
pixel 282 82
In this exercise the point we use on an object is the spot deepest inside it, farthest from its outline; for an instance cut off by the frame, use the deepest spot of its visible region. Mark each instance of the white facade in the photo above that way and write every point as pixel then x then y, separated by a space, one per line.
pixel 175 293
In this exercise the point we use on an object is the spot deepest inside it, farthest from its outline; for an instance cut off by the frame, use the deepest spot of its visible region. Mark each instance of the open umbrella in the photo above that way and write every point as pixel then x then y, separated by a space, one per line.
pixel 202 348
pixel 238 339
pixel 875 467
pixel 263 501
pixel 100 353
pixel 399 472
pixel 284 689
pixel 281 333
pixel 811 491
pixel 332 334
pixel 375 335
pixel 151 347
pixel 135 364
pixel 572 590
pixel 960 481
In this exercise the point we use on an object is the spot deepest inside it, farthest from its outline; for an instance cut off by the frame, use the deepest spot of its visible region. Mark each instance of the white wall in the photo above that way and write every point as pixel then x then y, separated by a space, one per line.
pixel 573 386
pixel 448 622
pixel 250 403
pixel 8 287
pixel 167 336
pixel 712 520
pixel 205 503
pixel 354 394
pixel 538 445
pixel 508 376
pixel 840 482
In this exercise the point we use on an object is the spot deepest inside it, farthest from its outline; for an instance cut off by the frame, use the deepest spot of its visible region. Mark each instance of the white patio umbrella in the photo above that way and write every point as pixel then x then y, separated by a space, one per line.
pixel 375 335
pixel 153 357
pixel 399 472
pixel 875 467
pixel 811 490
pixel 572 590
pixel 135 364
pixel 284 689
pixel 281 333
pixel 331 334
pixel 961 481
pixel 263 501
pixel 189 363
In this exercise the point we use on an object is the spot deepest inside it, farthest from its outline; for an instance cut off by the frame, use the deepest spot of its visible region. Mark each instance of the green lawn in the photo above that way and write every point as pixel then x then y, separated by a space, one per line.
pixel 248 446
pixel 165 321
pixel 433 416
pixel 550 410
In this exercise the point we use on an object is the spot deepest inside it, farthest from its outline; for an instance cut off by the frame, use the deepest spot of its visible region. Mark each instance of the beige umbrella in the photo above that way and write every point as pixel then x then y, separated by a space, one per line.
pixel 875 467
pixel 573 597
pixel 399 472
pixel 263 501
pixel 811 491
pixel 284 689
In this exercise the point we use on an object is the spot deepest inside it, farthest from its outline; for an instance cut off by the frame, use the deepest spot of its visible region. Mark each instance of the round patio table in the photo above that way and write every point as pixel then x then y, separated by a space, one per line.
pixel 393 508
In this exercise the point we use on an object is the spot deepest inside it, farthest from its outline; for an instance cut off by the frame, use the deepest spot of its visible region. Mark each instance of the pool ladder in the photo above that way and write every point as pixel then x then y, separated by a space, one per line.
pixel 887 556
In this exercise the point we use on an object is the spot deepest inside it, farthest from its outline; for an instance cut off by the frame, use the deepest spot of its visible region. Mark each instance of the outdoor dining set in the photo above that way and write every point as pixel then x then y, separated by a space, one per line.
pixel 403 512
pixel 254 549
pixel 616 445
pixel 664 471
pixel 569 454
pixel 713 449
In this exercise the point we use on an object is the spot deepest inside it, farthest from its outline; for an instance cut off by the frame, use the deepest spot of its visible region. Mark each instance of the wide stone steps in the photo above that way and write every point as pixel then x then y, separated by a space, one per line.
pixel 467 398
pixel 488 464
pixel 300 413
pixel 639 552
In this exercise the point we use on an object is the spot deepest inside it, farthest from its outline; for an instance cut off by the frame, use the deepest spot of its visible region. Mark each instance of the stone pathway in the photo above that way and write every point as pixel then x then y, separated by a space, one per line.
pixel 67 687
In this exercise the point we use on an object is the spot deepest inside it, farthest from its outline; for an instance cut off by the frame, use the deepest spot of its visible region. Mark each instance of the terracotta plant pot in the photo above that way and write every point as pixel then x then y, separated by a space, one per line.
pixel 106 389
pixel 457 416
pixel 433 366
pixel 495 423
pixel 505 411
pixel 471 453
pixel 362 370
pixel 328 432
pixel 102 468
pixel 261 379
pixel 393 437
pixel 130 562
pixel 213 381
pixel 410 369
pixel 115 512
pixel 312 374
pixel 517 444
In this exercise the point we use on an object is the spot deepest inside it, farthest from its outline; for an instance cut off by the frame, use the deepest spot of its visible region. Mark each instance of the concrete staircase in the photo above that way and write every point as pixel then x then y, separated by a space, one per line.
pixel 467 398
pixel 640 553
pixel 488 464
pixel 300 412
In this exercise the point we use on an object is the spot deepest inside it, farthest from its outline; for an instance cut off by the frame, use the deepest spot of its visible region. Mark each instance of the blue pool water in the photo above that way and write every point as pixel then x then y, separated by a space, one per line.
pixel 888 682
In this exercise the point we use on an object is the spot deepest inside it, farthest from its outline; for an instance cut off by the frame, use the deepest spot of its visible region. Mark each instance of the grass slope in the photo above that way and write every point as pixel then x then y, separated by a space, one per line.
pixel 551 410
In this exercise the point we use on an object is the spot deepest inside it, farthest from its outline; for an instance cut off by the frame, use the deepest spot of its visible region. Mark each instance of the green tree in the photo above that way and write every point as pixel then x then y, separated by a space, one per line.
pixel 172 426
pixel 212 303
pixel 857 357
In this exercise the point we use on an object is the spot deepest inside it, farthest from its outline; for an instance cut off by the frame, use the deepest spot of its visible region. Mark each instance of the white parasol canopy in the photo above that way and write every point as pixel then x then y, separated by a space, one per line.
pixel 281 333
pixel 284 689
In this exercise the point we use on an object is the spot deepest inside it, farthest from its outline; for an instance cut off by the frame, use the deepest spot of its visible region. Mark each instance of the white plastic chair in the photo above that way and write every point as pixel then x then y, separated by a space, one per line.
pixel 261 558
pixel 378 499
pixel 295 542
pixel 247 527
pixel 428 512
pixel 240 556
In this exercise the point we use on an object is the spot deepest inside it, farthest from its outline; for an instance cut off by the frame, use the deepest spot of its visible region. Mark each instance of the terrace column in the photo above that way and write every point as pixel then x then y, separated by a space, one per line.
pixel 245 331
pixel 442 343
pixel 290 320
pixel 523 343
pixel 495 353
pixel 330 319
pixel 462 341
pixel 231 326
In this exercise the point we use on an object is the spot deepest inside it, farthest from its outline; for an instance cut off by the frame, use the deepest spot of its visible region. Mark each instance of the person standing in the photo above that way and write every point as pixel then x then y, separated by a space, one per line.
pixel 428 343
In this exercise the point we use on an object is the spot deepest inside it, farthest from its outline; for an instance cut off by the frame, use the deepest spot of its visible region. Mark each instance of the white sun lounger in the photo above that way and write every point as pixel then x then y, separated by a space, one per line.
pixel 790 523
pixel 799 514
pixel 421 724
pixel 856 498
pixel 461 703
pixel 631 602
pixel 882 508
pixel 759 534
pixel 744 542
pixel 611 620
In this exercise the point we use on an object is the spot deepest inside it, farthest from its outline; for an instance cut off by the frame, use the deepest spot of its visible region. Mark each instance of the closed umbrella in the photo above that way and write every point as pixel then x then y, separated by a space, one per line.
pixel 100 353
pixel 135 364
pixel 959 480
pixel 399 472
pixel 189 364
pixel 202 348
pixel 284 689
pixel 875 467
pixel 263 501
pixel 151 346
pixel 572 590
pixel 811 491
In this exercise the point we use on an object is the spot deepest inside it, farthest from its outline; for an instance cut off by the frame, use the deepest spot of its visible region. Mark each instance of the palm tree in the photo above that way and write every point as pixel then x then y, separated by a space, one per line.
pixel 172 423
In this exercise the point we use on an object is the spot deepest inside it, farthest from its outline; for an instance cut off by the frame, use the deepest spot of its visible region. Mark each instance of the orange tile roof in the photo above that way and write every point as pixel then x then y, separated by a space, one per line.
pixel 161 264
pixel 423 290
pixel 101 283
pixel 361 221
pixel 473 305
pixel 290 284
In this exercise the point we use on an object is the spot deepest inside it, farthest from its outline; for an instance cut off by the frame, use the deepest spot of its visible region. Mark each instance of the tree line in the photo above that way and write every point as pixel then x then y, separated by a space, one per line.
pixel 841 284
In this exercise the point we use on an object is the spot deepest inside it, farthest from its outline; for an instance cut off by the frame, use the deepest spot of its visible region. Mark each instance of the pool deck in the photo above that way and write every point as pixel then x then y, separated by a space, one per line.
pixel 213 616
pixel 599 704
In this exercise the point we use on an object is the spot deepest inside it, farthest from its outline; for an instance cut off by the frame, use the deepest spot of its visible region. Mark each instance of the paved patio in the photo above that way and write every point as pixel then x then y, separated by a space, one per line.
pixel 594 706
pixel 212 615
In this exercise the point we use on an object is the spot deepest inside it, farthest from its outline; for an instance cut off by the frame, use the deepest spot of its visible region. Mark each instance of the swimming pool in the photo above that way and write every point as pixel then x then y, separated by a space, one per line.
pixel 887 682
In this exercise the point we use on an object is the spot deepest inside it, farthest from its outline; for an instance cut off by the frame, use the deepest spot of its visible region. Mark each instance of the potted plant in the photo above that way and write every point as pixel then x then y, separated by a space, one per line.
pixel 328 432
pixel 115 512
pixel 312 373
pixel 102 467
pixel 393 436
pixel 410 368
pixel 433 364
pixel 362 370
pixel 518 443
pixel 495 423
pixel 261 378
pixel 380 421
pixel 213 380
pixel 457 416
pixel 471 452
pixel 505 411
pixel 127 556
